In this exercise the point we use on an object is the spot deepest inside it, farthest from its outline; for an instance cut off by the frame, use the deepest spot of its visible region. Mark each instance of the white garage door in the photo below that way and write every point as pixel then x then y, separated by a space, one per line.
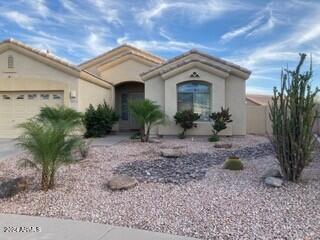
pixel 17 107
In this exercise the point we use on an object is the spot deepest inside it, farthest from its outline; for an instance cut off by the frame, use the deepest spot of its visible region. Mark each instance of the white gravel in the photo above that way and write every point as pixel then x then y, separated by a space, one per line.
pixel 224 205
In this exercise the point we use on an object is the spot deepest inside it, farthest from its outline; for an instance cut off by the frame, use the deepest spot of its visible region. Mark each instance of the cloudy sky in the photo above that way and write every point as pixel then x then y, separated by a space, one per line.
pixel 262 35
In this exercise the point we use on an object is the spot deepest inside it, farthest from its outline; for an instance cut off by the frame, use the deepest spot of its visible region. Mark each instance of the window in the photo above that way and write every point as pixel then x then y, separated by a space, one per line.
pixel 124 107
pixel 32 96
pixel 10 62
pixel 44 96
pixel 6 97
pixel 20 97
pixel 56 96
pixel 195 96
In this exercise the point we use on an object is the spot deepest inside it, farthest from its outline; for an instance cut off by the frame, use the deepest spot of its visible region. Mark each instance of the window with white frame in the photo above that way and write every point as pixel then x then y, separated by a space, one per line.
pixel 195 95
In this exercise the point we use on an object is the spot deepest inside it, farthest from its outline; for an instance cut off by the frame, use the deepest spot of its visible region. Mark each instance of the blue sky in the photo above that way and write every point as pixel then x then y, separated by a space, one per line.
pixel 261 35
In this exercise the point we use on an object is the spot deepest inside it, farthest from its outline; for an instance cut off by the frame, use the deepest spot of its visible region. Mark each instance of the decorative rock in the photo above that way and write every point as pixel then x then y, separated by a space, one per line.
pixel 171 153
pixel 12 187
pixel 223 145
pixel 273 172
pixel 122 182
pixel 273 181
pixel 154 140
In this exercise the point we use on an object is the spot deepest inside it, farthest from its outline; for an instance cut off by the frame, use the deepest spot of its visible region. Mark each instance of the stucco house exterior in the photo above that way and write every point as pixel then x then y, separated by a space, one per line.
pixel 30 79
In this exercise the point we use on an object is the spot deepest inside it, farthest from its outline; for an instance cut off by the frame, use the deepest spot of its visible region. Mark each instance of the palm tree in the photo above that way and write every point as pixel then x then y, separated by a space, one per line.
pixel 50 147
pixel 71 118
pixel 147 114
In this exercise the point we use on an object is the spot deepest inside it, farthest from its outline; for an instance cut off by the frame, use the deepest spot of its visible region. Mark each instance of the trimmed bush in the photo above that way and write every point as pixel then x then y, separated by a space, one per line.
pixel 213 138
pixel 233 163
pixel 99 121
pixel 186 120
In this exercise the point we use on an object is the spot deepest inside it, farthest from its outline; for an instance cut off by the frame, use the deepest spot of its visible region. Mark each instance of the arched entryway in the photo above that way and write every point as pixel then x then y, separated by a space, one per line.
pixel 124 94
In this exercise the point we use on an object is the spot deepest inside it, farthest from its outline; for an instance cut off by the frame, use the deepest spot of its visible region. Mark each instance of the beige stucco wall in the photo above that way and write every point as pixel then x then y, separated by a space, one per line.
pixel 92 94
pixel 128 70
pixel 32 75
pixel 236 102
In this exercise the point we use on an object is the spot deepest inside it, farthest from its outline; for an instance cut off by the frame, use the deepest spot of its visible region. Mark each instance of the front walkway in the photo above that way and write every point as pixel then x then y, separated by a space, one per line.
pixel 109 140
pixel 56 229
pixel 8 148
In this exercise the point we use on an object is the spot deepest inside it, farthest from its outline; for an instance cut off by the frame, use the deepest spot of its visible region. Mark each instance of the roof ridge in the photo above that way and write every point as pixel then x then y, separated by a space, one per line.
pixel 152 57
pixel 196 51
pixel 39 52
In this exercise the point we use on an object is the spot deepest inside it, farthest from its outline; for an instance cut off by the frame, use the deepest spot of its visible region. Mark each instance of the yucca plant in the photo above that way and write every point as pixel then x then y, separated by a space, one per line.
pixel 50 146
pixel 147 114
pixel 292 113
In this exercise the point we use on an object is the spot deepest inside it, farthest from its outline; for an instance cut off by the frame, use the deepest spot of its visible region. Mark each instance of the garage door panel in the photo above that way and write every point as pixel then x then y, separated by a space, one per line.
pixel 18 107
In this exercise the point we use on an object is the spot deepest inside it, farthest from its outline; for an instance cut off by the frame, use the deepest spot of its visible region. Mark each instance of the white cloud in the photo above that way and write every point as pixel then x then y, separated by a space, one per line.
pixel 40 7
pixel 109 10
pixel 21 19
pixel 95 44
pixel 264 22
pixel 197 11
pixel 165 46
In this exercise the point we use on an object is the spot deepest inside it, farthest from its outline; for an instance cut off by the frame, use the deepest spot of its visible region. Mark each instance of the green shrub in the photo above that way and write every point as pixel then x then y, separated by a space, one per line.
pixel 220 120
pixel 233 163
pixel 99 121
pixel 186 119
pixel 213 138
pixel 50 145
pixel 292 113
pixel 147 114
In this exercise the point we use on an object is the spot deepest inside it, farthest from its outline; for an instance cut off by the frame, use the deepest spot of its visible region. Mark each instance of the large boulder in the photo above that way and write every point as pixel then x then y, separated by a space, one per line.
pixel 273 181
pixel 122 182
pixel 171 153
pixel 12 187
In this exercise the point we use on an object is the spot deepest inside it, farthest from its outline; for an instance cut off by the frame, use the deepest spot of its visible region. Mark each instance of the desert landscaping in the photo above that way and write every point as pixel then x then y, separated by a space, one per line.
pixel 189 194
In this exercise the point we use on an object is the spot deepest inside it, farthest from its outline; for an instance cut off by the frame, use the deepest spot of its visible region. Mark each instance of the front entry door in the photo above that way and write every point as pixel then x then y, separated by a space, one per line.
pixel 127 122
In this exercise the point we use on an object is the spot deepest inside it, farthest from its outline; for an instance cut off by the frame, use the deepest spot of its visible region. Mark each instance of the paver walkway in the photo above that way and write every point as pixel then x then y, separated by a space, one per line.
pixel 58 229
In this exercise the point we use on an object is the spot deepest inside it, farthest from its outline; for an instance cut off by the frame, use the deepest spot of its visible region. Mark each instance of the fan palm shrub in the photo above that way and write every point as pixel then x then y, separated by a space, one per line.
pixel 292 113
pixel 147 114
pixel 53 115
pixel 50 146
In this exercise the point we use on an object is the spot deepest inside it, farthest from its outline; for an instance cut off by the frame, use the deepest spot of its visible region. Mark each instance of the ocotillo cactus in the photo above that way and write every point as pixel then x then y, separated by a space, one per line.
pixel 292 113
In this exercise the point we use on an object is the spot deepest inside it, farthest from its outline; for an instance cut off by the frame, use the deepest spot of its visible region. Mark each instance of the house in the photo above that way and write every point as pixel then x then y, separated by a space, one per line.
pixel 258 100
pixel 30 79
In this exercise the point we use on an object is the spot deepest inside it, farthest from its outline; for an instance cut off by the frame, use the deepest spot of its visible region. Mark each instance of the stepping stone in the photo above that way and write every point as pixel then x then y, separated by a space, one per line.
pixel 223 145
pixel 122 182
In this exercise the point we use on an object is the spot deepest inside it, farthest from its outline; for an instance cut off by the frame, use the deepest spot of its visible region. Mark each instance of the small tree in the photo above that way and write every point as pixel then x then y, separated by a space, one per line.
pixel 147 114
pixel 292 113
pixel 50 145
pixel 220 121
pixel 186 119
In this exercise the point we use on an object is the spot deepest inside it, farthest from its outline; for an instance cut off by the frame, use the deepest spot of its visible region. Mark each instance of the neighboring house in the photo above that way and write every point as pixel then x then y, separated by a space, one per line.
pixel 30 79
pixel 258 100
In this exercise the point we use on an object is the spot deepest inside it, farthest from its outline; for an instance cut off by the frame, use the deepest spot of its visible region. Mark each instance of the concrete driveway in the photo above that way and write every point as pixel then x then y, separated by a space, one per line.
pixel 8 148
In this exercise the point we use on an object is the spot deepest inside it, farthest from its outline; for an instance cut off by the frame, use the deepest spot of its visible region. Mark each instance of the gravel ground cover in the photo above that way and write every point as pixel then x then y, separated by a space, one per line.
pixel 219 204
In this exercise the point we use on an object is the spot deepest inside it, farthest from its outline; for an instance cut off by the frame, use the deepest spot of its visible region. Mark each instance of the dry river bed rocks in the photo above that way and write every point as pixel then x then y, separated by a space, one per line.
pixel 221 205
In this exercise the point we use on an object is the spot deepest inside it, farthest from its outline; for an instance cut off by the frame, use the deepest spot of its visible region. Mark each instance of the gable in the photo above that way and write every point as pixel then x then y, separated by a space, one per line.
pixel 124 71
pixel 195 58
